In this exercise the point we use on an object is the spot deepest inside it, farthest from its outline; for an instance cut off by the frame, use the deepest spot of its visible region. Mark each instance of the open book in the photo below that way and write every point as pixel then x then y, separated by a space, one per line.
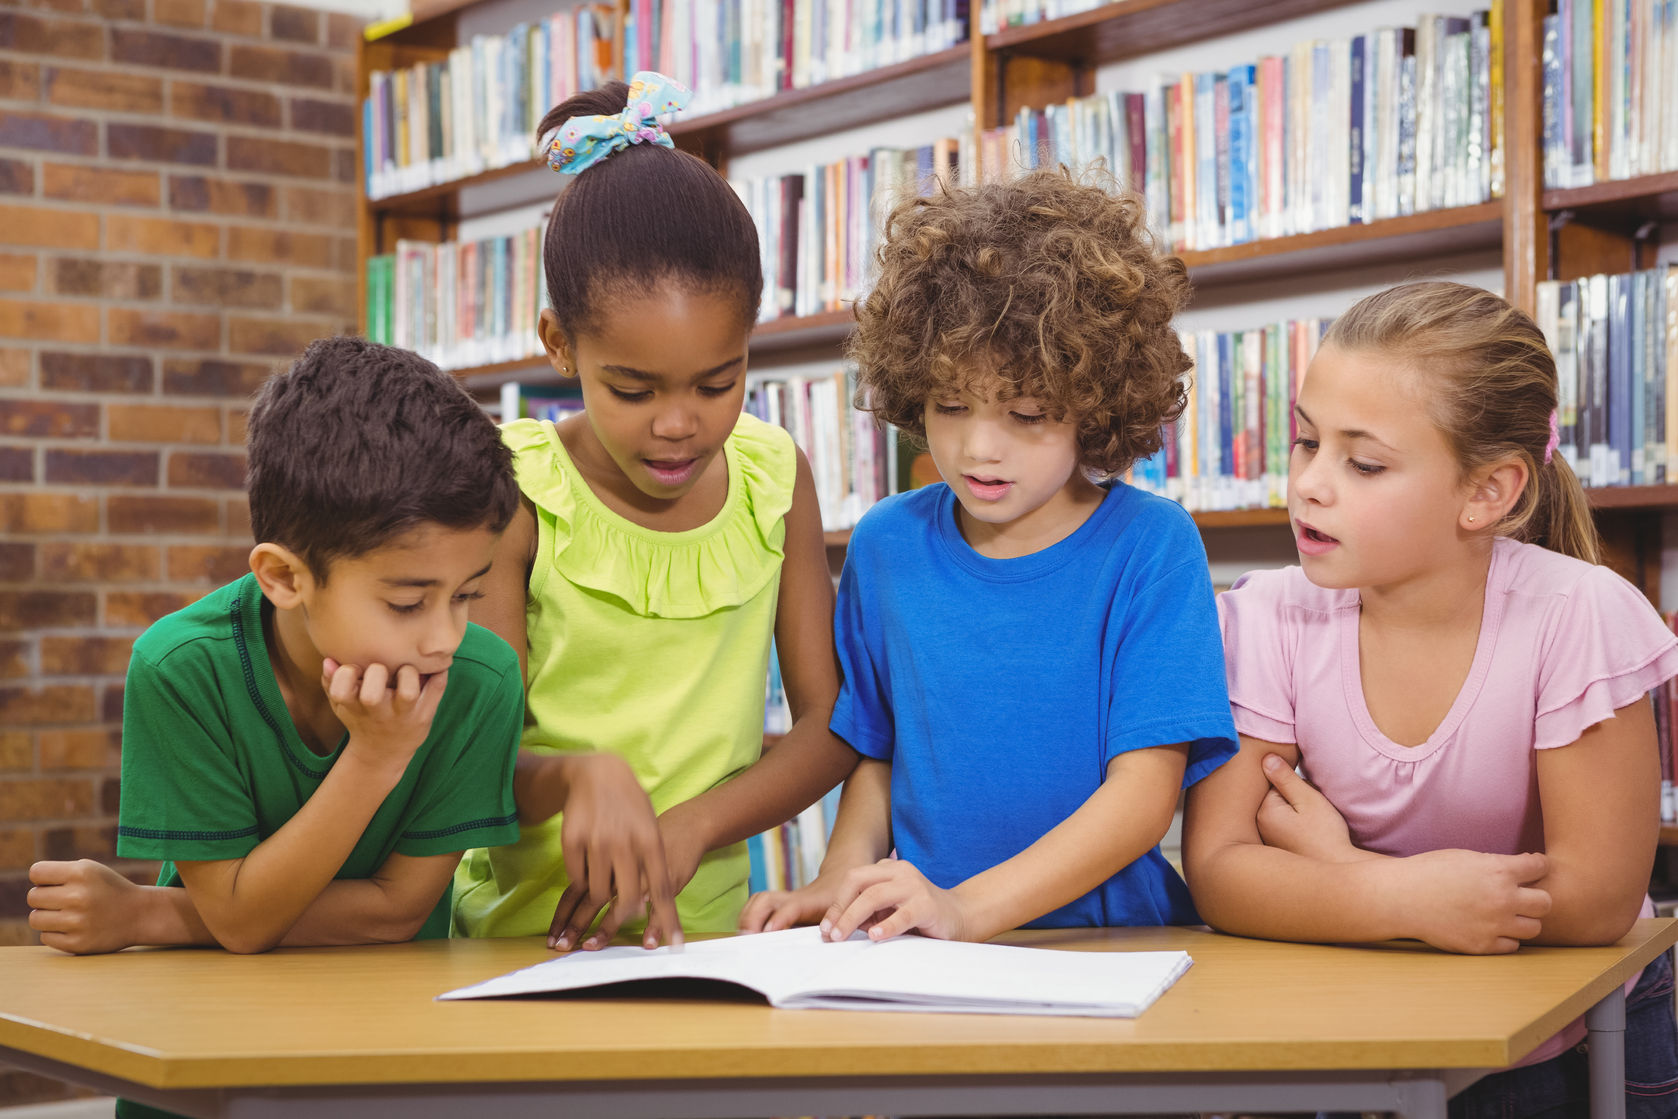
pixel 798 969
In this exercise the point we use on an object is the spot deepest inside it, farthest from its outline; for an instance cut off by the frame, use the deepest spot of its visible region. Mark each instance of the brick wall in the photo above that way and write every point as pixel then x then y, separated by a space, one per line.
pixel 177 216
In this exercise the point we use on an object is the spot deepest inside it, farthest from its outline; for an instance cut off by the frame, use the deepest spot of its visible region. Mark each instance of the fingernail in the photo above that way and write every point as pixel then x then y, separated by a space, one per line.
pixel 1272 762
pixel 591 943
pixel 560 942
pixel 649 942
pixel 826 926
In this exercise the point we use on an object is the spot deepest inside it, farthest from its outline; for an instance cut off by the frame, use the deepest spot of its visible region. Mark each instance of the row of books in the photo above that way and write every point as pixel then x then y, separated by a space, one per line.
pixel 1230 448
pixel 852 459
pixel 994 15
pixel 1615 340
pixel 1610 90
pixel 551 402
pixel 730 52
pixel 790 856
pixel 1335 132
pixel 461 304
pixel 818 229
pixel 478 108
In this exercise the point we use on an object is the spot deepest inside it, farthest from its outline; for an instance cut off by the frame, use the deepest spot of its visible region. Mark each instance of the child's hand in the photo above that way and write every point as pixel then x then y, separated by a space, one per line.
pixel 1469 901
pixel 612 848
pixel 892 897
pixel 387 716
pixel 1295 817
pixel 83 907
pixel 773 910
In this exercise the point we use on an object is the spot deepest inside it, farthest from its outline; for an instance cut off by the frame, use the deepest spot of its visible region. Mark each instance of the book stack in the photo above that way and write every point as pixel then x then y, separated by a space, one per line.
pixel 1610 90
pixel 850 456
pixel 730 52
pixel 1230 448
pixel 818 229
pixel 1336 132
pixel 478 108
pixel 790 856
pixel 461 304
pixel 1615 340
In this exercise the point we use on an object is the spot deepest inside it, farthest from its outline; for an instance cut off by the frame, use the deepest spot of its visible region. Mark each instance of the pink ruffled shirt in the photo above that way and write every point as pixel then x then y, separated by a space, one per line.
pixel 1563 644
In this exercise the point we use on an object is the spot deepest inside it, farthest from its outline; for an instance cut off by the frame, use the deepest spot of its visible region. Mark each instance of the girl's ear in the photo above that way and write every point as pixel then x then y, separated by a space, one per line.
pixel 281 573
pixel 557 345
pixel 1493 494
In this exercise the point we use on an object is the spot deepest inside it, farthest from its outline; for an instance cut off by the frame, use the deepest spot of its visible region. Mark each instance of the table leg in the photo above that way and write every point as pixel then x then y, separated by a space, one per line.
pixel 1605 1024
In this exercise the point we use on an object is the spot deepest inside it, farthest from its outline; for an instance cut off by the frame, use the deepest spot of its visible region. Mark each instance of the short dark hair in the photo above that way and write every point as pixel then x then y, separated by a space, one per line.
pixel 1052 284
pixel 643 216
pixel 357 443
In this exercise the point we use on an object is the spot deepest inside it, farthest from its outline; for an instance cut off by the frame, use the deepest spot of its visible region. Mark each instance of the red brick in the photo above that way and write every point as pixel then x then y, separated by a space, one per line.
pixel 167 51
pixel 87 748
pixel 17 272
pixel 345 252
pixel 107 279
pixel 222 196
pixel 102 468
pixel 285 67
pixel 334 118
pixel 278 246
pixel 237 17
pixel 322 294
pixel 17 848
pixel 176 330
pixel 96 372
pixel 224 104
pixel 207 470
pixel 213 565
pixel 293 25
pixel 228 287
pixel 214 376
pixel 278 157
pixel 26 610
pixel 142 608
pixel 45 706
pixel 42 798
pixel 103 89
pixel 100 563
pixel 108 186
pixel 49 418
pixel 179 13
pixel 237 418
pixel 17 750
pixel 239 517
pixel 332 206
pixel 15 664
pixel 48 132
pixel 343 31
pixel 16 177
pixel 346 168
pixel 14 368
pixel 110 796
pixel 84 842
pixel 133 10
pixel 37 513
pixel 49 228
pixel 285 337
pixel 17 562
pixel 163 423
pixel 177 516
pixel 344 76
pixel 17 464
pixel 160 145
pixel 53 322
pixel 20 81
pixel 110 703
pixel 84 656
pixel 64 38
pixel 161 236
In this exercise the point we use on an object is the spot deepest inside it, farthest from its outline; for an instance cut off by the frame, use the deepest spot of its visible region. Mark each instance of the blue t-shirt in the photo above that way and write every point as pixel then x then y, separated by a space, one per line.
pixel 1000 689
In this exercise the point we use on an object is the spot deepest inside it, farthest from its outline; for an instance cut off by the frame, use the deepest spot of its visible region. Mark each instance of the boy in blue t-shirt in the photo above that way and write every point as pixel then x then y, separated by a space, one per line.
pixel 1032 666
pixel 313 745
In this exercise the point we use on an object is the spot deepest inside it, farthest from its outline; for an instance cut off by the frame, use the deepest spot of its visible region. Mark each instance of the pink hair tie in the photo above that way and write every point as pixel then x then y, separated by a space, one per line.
pixel 1555 438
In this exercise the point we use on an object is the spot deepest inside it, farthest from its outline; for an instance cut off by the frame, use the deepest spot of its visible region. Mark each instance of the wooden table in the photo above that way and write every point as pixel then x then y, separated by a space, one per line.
pixel 349 1032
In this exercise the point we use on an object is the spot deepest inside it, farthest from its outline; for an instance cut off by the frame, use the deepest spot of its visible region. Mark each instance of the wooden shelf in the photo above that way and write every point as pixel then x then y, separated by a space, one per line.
pixel 1650 197
pixel 1632 498
pixel 1241 518
pixel 1132 28
pixel 1669 835
pixel 442 200
pixel 1414 236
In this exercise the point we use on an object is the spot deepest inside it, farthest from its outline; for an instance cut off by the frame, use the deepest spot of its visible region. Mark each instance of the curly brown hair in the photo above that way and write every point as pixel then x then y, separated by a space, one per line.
pixel 1052 285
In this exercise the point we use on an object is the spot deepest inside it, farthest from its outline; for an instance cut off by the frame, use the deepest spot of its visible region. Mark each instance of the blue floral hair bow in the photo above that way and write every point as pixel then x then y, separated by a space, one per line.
pixel 581 142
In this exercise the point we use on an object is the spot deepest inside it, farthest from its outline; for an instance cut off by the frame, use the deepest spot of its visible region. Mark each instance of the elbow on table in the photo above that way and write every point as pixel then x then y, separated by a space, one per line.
pixel 246 942
pixel 1604 924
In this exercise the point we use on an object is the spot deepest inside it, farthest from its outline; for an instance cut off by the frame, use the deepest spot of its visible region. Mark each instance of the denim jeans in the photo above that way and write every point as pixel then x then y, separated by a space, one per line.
pixel 1560 1087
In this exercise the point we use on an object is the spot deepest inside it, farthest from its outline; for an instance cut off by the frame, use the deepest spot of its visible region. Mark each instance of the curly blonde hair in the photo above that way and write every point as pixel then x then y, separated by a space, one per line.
pixel 1052 285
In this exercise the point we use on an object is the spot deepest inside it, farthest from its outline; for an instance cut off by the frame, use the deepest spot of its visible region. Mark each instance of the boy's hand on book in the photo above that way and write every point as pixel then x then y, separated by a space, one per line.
pixel 1473 902
pixel 388 715
pixel 1295 817
pixel 774 910
pixel 890 898
pixel 612 848
pixel 83 907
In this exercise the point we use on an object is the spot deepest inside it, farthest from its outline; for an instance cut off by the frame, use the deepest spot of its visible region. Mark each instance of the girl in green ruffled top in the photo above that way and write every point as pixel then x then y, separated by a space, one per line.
pixel 663 539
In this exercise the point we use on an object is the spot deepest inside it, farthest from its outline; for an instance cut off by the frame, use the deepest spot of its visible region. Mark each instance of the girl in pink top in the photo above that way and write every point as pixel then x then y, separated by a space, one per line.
pixel 1462 687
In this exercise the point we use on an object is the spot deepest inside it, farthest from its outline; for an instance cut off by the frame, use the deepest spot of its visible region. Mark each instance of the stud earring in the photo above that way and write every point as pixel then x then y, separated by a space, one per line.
pixel 1471 518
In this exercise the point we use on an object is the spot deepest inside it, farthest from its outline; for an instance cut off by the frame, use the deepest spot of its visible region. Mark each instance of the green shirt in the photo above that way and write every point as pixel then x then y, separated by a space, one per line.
pixel 650 645
pixel 212 764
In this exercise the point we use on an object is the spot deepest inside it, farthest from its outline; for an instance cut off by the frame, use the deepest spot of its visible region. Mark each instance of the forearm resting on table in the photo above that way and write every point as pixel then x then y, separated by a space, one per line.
pixel 1252 890
pixel 1120 822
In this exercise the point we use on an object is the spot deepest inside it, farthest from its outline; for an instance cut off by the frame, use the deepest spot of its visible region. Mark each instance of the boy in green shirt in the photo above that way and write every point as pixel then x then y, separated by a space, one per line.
pixel 313 745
